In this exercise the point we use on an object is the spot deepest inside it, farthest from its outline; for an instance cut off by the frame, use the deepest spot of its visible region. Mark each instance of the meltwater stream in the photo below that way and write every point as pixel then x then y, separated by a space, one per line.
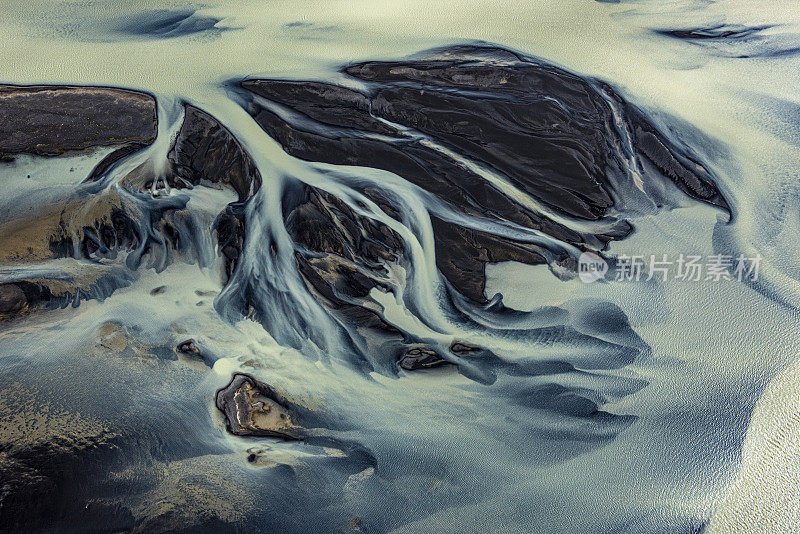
pixel 377 212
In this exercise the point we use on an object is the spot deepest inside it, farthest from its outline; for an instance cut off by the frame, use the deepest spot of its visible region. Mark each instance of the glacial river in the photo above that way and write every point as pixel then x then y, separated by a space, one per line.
pixel 644 404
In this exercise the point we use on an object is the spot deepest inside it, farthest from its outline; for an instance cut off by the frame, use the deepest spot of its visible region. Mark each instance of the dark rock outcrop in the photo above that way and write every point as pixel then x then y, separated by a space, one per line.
pixel 464 119
pixel 54 120
pixel 323 102
pixel 461 348
pixel 204 150
pixel 342 255
pixel 322 222
pixel 418 358
pixel 462 254
pixel 19 297
pixel 721 31
pixel 251 408
pixel 188 347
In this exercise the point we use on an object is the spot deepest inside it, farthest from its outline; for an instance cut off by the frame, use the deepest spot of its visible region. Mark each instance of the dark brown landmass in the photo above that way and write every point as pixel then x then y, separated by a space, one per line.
pixel 251 408
pixel 19 297
pixel 341 255
pixel 421 359
pixel 550 133
pixel 55 120
pixel 204 150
